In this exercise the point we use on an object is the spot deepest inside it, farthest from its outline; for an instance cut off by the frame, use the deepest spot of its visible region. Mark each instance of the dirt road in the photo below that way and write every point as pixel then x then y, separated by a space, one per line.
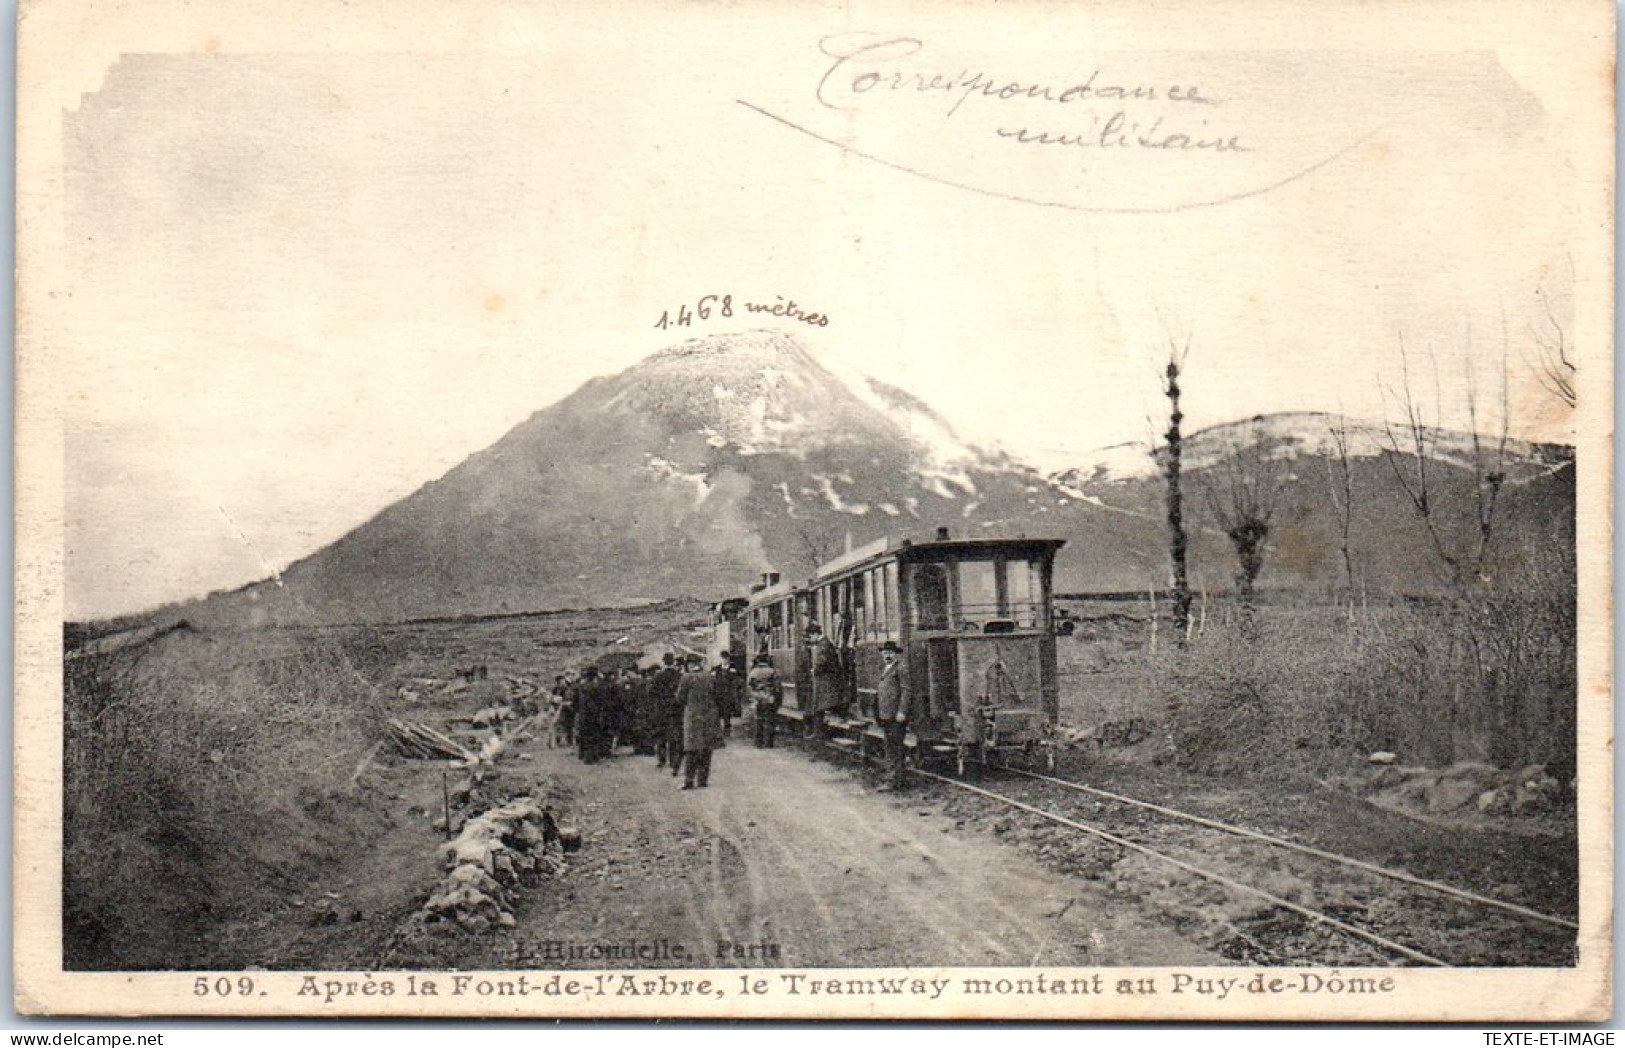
pixel 789 861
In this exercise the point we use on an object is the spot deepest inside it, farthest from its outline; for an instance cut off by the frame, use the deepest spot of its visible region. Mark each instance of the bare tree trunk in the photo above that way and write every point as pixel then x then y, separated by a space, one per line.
pixel 1491 727
pixel 1341 483
pixel 1178 543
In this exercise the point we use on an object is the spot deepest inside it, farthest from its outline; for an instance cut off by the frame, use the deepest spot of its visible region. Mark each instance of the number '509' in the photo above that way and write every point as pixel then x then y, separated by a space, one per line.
pixel 223 986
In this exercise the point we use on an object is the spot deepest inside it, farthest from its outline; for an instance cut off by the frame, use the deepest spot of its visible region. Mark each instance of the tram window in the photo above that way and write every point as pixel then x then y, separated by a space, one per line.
pixel 894 608
pixel 931 596
pixel 860 605
pixel 978 591
pixel 1021 585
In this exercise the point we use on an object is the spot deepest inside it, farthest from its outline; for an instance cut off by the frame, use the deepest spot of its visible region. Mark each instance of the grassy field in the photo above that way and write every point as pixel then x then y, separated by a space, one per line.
pixel 1304 686
pixel 211 772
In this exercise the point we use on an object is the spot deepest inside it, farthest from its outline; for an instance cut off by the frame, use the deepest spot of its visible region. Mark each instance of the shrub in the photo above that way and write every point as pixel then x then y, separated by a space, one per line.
pixel 1306 688
pixel 201 772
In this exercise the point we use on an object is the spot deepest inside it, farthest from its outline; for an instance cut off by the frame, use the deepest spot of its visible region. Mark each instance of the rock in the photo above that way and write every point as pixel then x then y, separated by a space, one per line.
pixel 1535 796
pixel 1452 794
pixel 1413 793
pixel 1470 770
pixel 1383 776
pixel 1531 773
pixel 1491 801
pixel 1382 757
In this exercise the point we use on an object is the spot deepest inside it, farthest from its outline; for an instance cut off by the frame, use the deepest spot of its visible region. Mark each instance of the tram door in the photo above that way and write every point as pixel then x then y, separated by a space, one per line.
pixel 942 677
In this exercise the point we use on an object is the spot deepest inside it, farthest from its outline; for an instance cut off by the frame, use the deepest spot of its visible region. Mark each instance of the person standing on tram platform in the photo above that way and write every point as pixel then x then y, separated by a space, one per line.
pixel 891 705
pixel 827 678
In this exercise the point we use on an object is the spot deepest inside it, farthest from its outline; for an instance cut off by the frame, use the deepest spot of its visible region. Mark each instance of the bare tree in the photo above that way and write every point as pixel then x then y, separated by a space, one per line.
pixel 1414 450
pixel 1169 458
pixel 1552 365
pixel 1243 489
pixel 1340 483
pixel 1489 465
pixel 1413 446
pixel 1470 636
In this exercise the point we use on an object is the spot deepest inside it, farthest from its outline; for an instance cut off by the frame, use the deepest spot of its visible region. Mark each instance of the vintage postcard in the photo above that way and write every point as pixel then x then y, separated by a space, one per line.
pixel 810 510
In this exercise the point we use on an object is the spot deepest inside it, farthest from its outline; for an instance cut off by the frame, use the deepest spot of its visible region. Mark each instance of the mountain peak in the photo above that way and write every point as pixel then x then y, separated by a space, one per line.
pixel 694 470
pixel 759 347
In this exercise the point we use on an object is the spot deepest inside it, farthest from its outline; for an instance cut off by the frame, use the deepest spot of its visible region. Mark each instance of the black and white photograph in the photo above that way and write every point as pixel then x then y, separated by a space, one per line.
pixel 813 511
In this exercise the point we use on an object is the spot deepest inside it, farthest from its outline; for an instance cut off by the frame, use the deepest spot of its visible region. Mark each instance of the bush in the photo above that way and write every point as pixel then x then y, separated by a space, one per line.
pixel 1305 688
pixel 203 771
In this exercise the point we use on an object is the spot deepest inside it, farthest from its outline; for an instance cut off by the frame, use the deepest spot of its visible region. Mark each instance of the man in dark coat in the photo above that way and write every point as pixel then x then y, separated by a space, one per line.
pixel 645 736
pixel 727 688
pixel 702 727
pixel 668 723
pixel 768 693
pixel 593 701
pixel 826 677
pixel 621 734
pixel 891 706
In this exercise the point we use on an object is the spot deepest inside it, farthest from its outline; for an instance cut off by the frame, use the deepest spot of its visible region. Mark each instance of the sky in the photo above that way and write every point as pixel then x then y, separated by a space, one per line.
pixel 301 283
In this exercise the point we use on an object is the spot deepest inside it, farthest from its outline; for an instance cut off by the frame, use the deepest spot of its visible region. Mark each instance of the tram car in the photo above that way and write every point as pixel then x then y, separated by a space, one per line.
pixel 727 641
pixel 973 619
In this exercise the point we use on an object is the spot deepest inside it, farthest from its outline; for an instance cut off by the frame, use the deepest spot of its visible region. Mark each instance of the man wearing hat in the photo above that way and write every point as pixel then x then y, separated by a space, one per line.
pixel 769 694
pixel 826 677
pixel 593 700
pixel 668 713
pixel 892 710
pixel 702 727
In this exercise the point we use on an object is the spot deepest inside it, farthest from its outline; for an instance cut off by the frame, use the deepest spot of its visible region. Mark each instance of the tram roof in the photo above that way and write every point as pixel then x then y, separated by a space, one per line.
pixel 903 548
pixel 924 549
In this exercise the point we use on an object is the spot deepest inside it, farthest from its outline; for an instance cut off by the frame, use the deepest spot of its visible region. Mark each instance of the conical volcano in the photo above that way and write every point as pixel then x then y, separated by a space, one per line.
pixel 686 475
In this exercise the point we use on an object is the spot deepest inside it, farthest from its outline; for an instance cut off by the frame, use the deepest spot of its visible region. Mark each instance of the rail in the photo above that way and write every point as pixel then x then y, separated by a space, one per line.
pixel 1305 849
pixel 1371 938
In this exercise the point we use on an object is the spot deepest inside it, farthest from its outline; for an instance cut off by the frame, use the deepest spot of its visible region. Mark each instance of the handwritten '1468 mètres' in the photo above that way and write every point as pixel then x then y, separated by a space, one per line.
pixel 708 306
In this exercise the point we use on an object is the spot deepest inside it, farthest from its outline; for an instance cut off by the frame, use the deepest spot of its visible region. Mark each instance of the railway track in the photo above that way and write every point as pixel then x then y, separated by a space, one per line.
pixel 1387 948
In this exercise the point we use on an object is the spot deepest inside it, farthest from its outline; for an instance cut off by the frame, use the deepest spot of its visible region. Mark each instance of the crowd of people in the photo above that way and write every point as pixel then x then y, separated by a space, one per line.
pixel 678 711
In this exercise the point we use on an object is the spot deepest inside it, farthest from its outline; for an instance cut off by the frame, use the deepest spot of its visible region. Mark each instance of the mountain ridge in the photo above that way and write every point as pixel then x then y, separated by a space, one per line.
pixel 689 473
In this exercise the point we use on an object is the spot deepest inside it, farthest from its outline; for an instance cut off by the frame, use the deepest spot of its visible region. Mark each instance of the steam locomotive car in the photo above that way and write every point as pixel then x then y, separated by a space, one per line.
pixel 973 621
